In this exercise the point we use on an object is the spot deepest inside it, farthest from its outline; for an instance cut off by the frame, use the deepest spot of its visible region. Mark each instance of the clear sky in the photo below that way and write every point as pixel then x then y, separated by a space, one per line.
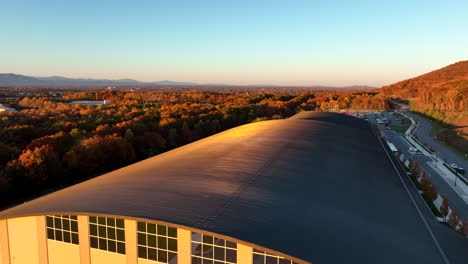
pixel 233 41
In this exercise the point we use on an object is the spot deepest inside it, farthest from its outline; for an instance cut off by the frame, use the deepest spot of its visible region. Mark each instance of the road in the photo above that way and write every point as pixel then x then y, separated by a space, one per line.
pixel 452 243
pixel 455 201
pixel 423 133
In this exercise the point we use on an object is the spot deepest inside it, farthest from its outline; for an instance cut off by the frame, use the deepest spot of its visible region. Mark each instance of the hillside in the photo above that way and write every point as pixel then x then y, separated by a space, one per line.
pixel 441 95
pixel 452 73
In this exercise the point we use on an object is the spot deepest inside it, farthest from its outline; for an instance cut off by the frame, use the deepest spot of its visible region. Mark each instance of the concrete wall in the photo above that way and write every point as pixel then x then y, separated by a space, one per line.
pixel 61 252
pixel 23 240
pixel 102 257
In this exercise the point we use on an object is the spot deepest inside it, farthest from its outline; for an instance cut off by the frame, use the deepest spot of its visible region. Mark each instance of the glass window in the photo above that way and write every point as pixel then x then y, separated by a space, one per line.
pixel 107 233
pixel 157 242
pixel 62 228
pixel 212 250
pixel 261 257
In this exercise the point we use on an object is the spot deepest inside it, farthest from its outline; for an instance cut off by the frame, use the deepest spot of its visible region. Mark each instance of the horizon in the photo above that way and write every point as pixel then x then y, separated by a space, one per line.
pixel 281 43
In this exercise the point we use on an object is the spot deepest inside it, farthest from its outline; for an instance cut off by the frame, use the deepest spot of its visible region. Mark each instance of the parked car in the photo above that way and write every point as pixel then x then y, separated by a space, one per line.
pixel 460 170
pixel 453 165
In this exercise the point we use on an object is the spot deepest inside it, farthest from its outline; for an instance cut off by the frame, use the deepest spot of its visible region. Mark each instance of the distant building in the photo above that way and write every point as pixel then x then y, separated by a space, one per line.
pixel 7 109
pixel 103 102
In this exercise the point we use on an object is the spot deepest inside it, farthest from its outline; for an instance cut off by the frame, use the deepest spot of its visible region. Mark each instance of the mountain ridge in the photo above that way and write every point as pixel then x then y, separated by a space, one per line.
pixel 18 80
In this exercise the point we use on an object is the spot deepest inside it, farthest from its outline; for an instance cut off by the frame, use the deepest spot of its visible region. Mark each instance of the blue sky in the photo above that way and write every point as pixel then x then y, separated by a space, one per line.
pixel 241 42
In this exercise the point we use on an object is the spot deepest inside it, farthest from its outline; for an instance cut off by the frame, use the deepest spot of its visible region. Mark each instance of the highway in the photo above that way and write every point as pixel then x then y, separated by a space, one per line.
pixel 455 201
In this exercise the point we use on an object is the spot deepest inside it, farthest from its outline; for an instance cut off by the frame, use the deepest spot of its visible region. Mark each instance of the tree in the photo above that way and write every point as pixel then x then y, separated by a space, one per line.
pixel 172 137
pixel 415 168
pixel 37 165
pixel 186 132
pixel 100 153
pixel 428 188
pixel 444 207
pixel 453 219
pixel 129 135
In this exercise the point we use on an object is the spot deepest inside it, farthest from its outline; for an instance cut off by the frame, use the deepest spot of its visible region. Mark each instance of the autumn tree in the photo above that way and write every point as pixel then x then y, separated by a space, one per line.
pixel 100 153
pixel 453 220
pixel 444 207
pixel 37 165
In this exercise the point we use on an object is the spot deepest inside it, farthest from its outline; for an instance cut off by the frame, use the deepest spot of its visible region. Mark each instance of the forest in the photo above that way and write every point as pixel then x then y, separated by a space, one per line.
pixel 50 143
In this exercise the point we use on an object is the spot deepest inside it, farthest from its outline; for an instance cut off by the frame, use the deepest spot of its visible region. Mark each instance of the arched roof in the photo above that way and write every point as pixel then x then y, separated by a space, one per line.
pixel 317 186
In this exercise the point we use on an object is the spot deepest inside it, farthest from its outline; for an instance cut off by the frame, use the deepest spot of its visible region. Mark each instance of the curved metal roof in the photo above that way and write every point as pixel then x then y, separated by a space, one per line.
pixel 317 186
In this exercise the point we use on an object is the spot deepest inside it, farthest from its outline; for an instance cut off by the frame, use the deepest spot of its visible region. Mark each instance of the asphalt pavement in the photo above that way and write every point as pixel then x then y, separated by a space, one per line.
pixel 455 201
pixel 423 133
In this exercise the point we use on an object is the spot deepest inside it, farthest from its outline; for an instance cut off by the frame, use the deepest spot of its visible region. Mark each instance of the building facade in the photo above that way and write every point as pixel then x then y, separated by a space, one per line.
pixel 95 239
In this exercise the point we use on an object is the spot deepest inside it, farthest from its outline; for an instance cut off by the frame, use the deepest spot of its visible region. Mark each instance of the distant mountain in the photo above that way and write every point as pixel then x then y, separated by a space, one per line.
pixel 17 79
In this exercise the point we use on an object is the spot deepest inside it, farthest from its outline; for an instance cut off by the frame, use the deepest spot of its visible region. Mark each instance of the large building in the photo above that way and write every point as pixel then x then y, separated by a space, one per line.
pixel 314 188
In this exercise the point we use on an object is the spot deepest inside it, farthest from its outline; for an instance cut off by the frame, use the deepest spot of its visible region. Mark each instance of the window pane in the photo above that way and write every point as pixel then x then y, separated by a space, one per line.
pixel 111 233
pixel 120 235
pixel 230 244
pixel 152 254
pixel 162 242
pixel 101 220
pixel 141 239
pixel 75 239
pixel 94 242
pixel 207 261
pixel 220 242
pixel 142 253
pixel 207 251
pixel 231 255
pixel 111 221
pixel 102 231
pixel 196 250
pixel 172 232
pixel 207 239
pixel 66 237
pixel 141 227
pixel 50 233
pixel 74 226
pixel 271 260
pixel 58 223
pixel 196 260
pixel 120 223
pixel 172 244
pixel 121 247
pixel 151 228
pixel 92 219
pixel 66 224
pixel 112 246
pixel 258 259
pixel 162 230
pixel 58 235
pixel 284 261
pixel 162 256
pixel 74 217
pixel 152 240
pixel 172 256
pixel 102 244
pixel 93 230
pixel 196 237
pixel 50 221
pixel 219 253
